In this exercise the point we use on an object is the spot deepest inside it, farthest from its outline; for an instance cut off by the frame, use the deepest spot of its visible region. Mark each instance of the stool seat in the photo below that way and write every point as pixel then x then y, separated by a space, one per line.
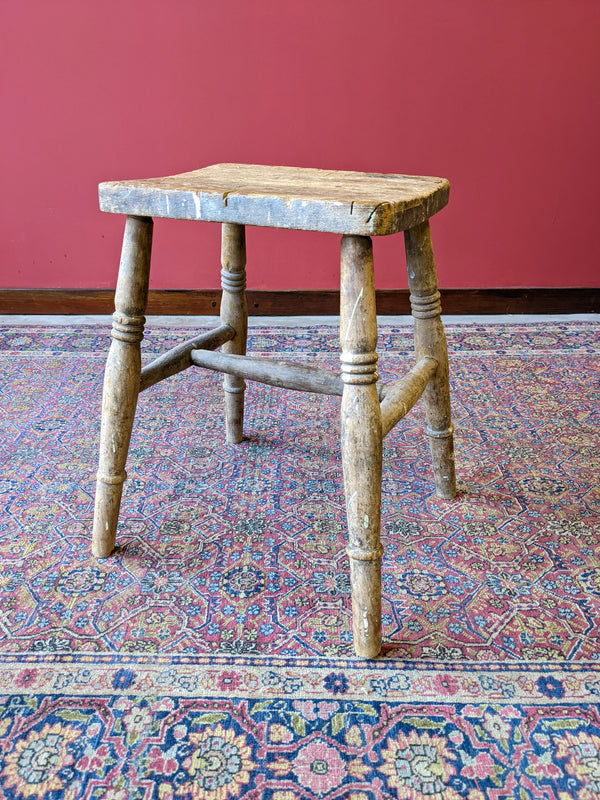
pixel 364 204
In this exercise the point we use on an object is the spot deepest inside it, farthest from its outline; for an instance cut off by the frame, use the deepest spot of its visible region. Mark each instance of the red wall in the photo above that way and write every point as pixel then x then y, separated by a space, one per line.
pixel 501 97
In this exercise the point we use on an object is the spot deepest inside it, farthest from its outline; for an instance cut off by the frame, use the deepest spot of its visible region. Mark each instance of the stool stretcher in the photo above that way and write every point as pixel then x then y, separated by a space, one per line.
pixel 284 374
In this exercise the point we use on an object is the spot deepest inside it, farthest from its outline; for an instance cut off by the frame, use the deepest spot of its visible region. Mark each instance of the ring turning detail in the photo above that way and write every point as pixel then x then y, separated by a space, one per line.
pixel 353 204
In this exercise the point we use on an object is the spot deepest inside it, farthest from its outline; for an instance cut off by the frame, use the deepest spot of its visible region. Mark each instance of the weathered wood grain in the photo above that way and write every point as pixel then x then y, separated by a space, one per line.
pixel 361 440
pixel 283 197
pixel 178 358
pixel 430 340
pixel 273 372
pixel 399 397
pixel 121 380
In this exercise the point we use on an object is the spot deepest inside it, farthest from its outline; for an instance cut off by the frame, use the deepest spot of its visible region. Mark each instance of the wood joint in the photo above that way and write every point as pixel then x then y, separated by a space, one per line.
pixel 400 396
pixel 178 358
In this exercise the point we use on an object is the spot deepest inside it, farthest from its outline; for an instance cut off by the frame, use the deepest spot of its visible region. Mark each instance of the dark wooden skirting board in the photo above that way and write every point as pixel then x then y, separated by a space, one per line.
pixel 304 302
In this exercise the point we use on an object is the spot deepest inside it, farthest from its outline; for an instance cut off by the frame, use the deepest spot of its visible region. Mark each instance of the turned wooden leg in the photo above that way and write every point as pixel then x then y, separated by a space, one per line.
pixel 361 440
pixel 121 380
pixel 430 340
pixel 234 313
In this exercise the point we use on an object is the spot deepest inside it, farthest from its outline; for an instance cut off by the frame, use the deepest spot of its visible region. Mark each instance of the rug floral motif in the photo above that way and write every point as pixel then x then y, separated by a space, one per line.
pixel 211 655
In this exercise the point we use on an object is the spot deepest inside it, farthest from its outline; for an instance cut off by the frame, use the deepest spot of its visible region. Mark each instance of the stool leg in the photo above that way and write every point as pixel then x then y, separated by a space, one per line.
pixel 121 380
pixel 430 340
pixel 361 440
pixel 234 313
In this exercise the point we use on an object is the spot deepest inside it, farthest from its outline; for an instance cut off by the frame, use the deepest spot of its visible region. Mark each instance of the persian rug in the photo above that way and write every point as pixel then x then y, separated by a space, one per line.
pixel 211 657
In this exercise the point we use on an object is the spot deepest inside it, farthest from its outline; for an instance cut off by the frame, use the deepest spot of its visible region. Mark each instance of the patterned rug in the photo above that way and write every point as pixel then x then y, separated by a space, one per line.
pixel 211 656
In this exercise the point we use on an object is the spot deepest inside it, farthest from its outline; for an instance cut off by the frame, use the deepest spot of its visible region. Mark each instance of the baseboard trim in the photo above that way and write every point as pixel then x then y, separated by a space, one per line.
pixel 571 300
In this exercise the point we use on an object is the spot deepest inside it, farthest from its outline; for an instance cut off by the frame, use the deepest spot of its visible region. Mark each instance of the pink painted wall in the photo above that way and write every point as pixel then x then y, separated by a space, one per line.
pixel 501 97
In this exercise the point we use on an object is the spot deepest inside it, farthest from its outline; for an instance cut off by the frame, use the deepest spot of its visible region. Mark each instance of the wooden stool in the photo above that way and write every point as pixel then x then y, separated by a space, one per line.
pixel 353 204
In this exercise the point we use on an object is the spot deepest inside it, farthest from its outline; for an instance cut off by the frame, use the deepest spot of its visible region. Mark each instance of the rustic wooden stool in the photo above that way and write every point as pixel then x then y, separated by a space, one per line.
pixel 354 204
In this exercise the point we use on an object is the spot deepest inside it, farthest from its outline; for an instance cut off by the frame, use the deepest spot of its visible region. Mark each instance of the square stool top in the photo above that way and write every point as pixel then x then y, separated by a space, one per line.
pixel 359 203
